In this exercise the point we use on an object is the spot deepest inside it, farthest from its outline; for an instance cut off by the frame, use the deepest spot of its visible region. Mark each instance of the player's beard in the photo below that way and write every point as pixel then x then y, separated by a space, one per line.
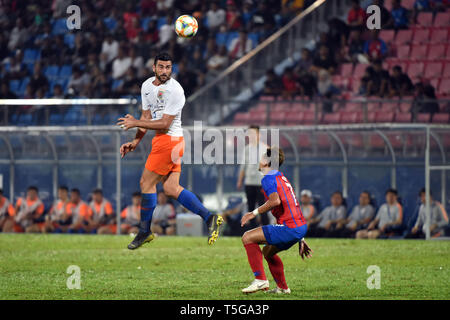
pixel 165 79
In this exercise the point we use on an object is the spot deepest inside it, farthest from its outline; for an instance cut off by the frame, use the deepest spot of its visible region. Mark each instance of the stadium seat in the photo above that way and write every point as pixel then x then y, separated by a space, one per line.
pixel 444 87
pixel 304 140
pixel 423 117
pixel 294 118
pixel 376 141
pixel 259 118
pixel 254 37
pixel 59 26
pixel 65 71
pixel 331 118
pixel 347 70
pixel 30 55
pixel 267 98
pixel 309 117
pixel 403 37
pixel 436 51
pixel 389 106
pixel 425 19
pixel 69 39
pixel 144 23
pixel 433 70
pixel 160 22
pixel 403 51
pixel 351 117
pixel 441 118
pixel 442 19
pixel 405 106
pixel 110 23
pixel 300 106
pixel 221 38
pixel 403 117
pixel 446 72
pixel 421 36
pixel 23 86
pixel 373 106
pixel 387 35
pixel 277 117
pixel 384 117
pixel 359 70
pixel 418 52
pixel 14 86
pixel 415 70
pixel 51 72
pixel 242 118
pixel 439 36
pixel 371 116
pixel 353 106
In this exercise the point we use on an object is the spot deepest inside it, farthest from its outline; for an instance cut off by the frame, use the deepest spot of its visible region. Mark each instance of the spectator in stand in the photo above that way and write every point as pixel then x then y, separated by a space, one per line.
pixel 131 85
pixel 218 61
pixel 361 215
pixel 387 22
pixel 80 213
pixel 233 17
pixel 78 81
pixel 388 218
pixel 187 79
pixel 273 85
pixel 163 221
pixel 355 47
pixel 324 224
pixel 131 215
pixel 58 219
pixel 262 17
pixel 240 46
pixel 5 93
pixel 305 62
pixel 58 92
pixel 325 87
pixel 419 6
pixel 438 219
pixel 308 208
pixel 148 7
pixel 17 69
pixel 29 212
pixel 137 62
pixel 18 35
pixel 102 214
pixel 375 81
pixel 374 48
pixel 110 48
pixel 400 15
pixel 215 16
pixel 121 63
pixel 424 100
pixel 38 80
pixel 6 213
pixel 166 32
pixel 399 83
pixel 356 18
pixel 294 6
pixel 338 33
pixel 291 87
pixel 324 60
pixel 152 34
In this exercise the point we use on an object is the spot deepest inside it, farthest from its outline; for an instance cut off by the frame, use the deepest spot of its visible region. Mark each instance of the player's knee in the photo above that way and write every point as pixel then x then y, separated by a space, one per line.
pixel 246 238
pixel 170 190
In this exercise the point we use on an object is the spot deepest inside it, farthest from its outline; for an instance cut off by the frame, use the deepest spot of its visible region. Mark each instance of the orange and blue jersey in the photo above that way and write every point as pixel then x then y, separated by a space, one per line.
pixel 288 213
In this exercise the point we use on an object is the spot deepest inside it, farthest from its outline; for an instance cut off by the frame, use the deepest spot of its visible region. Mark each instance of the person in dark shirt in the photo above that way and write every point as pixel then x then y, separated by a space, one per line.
pixel 324 60
pixel 376 80
pixel 386 18
pixel 355 46
pixel 187 79
pixel 399 83
pixel 38 80
pixel 424 100
pixel 273 84
pixel 400 15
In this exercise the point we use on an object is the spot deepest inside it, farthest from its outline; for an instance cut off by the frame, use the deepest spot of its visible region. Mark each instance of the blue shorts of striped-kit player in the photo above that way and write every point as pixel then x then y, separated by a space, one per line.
pixel 283 237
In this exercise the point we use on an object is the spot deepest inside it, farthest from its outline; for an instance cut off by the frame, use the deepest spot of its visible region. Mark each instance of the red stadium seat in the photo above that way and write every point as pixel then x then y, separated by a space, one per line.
pixel 376 141
pixel 433 70
pixel 300 106
pixel 384 117
pixel 347 70
pixel 405 107
pixel 415 70
pixel 294 118
pixel 241 118
pixel 441 118
pixel 277 117
pixel 353 106
pixel 403 51
pixel 309 117
pixel 355 140
pixel 331 118
pixel 351 117
pixel 425 19
pixel 423 117
pixel 403 117
pixel 323 140
pixel 281 106
pixel 418 52
pixel 389 106
pixel 446 72
pixel 387 35
pixel 442 19
pixel 267 98
pixel 403 37
pixel 373 106
pixel 439 36
pixel 435 82
pixel 444 87
pixel 421 36
pixel 436 51
pixel 371 116
pixel 359 70
pixel 408 4
pixel 304 140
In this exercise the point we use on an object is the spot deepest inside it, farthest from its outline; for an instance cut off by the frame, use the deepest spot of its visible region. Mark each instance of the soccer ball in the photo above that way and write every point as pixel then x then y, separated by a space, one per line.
pixel 186 26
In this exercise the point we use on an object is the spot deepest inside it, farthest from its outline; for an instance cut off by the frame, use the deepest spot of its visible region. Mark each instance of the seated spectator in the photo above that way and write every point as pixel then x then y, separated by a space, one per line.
pixel 29 212
pixel 387 22
pixel 233 17
pixel 355 48
pixel 58 219
pixel 38 79
pixel 308 209
pixel 375 48
pixel 218 61
pixel 400 15
pixel 163 220
pixel 110 48
pixel 186 78
pixel 121 63
pixel 361 215
pixel 324 60
pixel 375 81
pixel 388 218
pixel 18 35
pixel 324 224
pixel 356 17
pixel 131 215
pixel 399 83
pixel 272 85
pixel 102 214
pixel 5 93
pixel 80 213
pixel 7 213
pixel 131 85
pixel 307 82
pixel 291 86
pixel 438 219
pixel 420 6
pixel 165 32
pixel 58 92
pixel 216 16
pixel 424 100
pixel 305 62
pixel 240 46
pixel 78 80
pixel 17 69
pixel 325 87
pixel 262 17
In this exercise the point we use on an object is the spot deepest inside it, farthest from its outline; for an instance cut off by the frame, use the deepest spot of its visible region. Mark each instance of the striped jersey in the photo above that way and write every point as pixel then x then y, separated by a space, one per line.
pixel 288 212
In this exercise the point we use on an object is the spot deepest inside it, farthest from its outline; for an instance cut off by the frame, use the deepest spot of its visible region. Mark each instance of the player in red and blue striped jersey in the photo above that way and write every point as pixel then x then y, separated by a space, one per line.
pixel 290 228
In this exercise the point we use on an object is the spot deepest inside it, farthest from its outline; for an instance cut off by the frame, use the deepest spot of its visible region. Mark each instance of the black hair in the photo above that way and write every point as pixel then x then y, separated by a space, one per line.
pixel 254 126
pixel 63 188
pixel 163 56
pixel 366 192
pixel 33 188
pixel 1 191
pixel 75 190
pixel 97 191
pixel 398 68
pixel 275 151
pixel 424 191
pixel 391 190
pixel 136 194
pixel 339 193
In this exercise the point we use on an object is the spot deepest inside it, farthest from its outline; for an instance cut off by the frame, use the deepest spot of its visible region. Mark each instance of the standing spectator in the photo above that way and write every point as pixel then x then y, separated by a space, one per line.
pixel 325 87
pixel 233 17
pixel 438 218
pixel 166 32
pixel 387 21
pixel 388 218
pixel 29 211
pixel 216 16
pixel 375 48
pixel 400 15
pixel 360 216
pixel 163 221
pixel 110 48
pixel 262 17
pixel 58 219
pixel 18 35
pixel 102 214
pixel 305 62
pixel 121 63
pixel 218 61
pixel 240 46
pixel 186 78
pixel 131 215
pixel 7 213
pixel 356 18
pixel 324 224
pixel 308 208
pixel 249 174
pixel 399 83
pixel 356 48
pixel 291 87
pixel 137 62
pixel 79 211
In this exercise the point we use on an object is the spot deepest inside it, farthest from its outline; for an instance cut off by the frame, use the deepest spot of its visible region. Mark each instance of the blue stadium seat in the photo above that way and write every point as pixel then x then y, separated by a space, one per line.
pixel 116 84
pixel 71 117
pixel 161 22
pixel 231 36
pixel 254 37
pixel 221 38
pixel 65 71
pixel 25 120
pixel 51 72
pixel 23 86
pixel 55 119
pixel 110 23
pixel 144 23
pixel 14 86
pixel 59 26
pixel 69 39
pixel 30 67
pixel 30 55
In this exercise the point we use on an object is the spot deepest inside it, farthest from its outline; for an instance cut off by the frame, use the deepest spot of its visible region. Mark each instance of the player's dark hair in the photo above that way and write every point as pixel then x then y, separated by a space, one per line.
pixel 136 194
pixel 424 191
pixel 34 188
pixel 392 190
pixel 254 126
pixel 63 188
pixel 163 56
pixel 97 191
pixel 275 151
pixel 1 191
pixel 75 190
pixel 338 193
pixel 366 192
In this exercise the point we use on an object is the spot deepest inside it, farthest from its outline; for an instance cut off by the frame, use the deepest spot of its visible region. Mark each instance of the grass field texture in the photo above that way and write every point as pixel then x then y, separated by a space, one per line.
pixel 34 267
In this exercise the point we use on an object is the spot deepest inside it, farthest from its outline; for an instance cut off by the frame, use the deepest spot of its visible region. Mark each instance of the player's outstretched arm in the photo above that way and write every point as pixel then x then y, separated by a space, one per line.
pixel 272 202
pixel 129 122
pixel 131 146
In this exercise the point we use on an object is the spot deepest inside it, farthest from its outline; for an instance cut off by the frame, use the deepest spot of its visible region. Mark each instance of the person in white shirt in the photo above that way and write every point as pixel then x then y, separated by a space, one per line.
pixel 110 48
pixel 162 103
pixel 240 45
pixel 216 16
pixel 324 224
pixel 121 64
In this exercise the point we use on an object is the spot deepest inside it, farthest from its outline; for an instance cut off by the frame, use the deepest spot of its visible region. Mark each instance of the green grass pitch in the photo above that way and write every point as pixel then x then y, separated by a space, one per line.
pixel 34 267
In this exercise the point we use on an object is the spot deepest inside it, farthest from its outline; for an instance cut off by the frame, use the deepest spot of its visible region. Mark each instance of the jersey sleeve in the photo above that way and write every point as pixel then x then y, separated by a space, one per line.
pixel 145 102
pixel 269 184
pixel 175 102
pixel 123 215
pixel 108 208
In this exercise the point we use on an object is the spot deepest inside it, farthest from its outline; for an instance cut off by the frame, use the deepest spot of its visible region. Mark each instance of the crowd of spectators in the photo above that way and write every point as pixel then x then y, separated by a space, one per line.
pixel 111 54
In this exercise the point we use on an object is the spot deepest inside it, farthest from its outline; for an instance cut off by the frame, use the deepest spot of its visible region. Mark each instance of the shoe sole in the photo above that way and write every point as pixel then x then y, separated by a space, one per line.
pixel 149 239
pixel 215 235
pixel 263 289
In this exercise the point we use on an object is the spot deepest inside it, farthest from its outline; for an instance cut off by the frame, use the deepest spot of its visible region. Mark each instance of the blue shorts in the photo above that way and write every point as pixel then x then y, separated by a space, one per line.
pixel 283 237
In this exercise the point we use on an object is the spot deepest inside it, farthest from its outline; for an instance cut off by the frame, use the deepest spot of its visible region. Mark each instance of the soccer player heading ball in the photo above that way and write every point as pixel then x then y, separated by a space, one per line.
pixel 290 228
pixel 162 102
